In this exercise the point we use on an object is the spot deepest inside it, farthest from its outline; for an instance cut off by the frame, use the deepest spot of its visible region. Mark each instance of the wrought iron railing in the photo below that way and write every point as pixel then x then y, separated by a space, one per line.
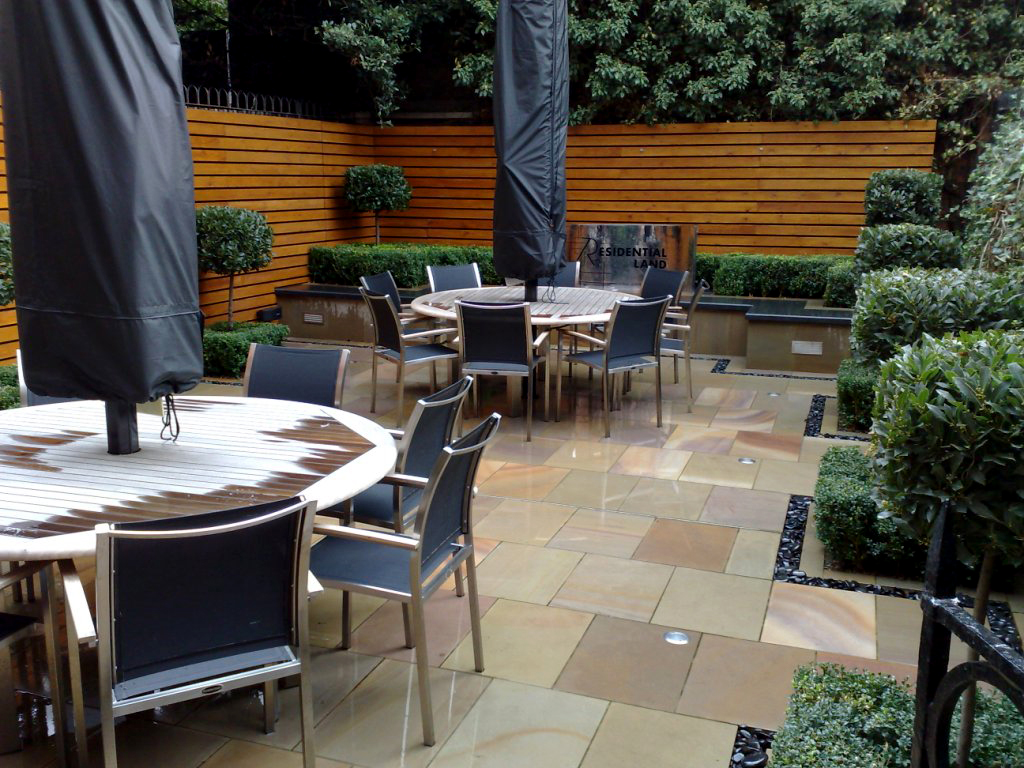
pixel 938 687
pixel 255 103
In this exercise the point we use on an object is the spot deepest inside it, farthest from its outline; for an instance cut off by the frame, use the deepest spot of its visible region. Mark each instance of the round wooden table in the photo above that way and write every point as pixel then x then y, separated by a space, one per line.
pixel 58 482
pixel 571 306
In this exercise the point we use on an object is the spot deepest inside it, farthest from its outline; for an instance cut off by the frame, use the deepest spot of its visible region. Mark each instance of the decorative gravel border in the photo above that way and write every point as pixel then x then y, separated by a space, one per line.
pixel 787 569
pixel 721 363
pixel 816 414
pixel 750 749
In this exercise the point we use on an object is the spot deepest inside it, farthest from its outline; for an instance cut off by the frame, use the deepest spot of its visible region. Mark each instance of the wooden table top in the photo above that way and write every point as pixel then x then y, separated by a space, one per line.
pixel 571 306
pixel 57 481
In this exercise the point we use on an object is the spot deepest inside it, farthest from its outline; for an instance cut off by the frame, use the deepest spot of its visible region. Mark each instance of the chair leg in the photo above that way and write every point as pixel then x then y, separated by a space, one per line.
pixel 423 670
pixel 373 382
pixel 607 406
pixel 460 589
pixel 474 614
pixel 269 706
pixel 675 369
pixel 54 665
pixel 410 641
pixel 433 377
pixel 547 391
pixel 529 406
pixel 346 620
pixel 558 379
pixel 77 696
pixel 689 380
pixel 306 705
pixel 401 395
pixel 657 391
pixel 10 741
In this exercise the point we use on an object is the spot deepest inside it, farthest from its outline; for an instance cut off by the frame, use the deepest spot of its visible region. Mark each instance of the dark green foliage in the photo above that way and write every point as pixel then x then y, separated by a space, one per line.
pixel 898 307
pixel 844 718
pixel 376 188
pixel 345 264
pixel 8 375
pixel 841 284
pixel 757 274
pixel 232 240
pixel 906 245
pixel 9 397
pixel 846 517
pixel 855 388
pixel 225 351
pixel 902 196
pixel 707 264
pixel 6 267
pixel 949 428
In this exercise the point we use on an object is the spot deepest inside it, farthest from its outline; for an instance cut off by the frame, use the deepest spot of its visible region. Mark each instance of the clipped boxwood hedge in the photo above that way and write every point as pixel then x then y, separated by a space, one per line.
pixel 906 245
pixel 8 375
pixel 9 395
pixel 225 352
pixel 895 308
pixel 772 275
pixel 345 264
pixel 856 719
pixel 855 388
pixel 846 517
pixel 841 284
pixel 902 196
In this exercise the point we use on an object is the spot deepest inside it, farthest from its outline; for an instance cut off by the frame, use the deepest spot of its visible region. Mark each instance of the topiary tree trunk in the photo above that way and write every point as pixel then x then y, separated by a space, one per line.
pixel 969 701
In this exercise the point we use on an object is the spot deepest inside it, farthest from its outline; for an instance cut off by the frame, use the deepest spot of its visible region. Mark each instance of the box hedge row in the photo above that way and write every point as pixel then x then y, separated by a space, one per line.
pixel 345 264
pixel 773 275
pixel 225 352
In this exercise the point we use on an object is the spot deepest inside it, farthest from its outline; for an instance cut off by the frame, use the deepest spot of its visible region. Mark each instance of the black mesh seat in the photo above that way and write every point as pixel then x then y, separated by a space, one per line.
pixel 12 623
pixel 453 277
pixel 497 340
pixel 315 376
pixel 403 349
pixel 411 568
pixel 677 336
pixel 633 343
pixel 191 606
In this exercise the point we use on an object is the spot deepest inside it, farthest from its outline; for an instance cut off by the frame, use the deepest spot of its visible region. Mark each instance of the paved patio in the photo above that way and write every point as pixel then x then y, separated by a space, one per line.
pixel 589 551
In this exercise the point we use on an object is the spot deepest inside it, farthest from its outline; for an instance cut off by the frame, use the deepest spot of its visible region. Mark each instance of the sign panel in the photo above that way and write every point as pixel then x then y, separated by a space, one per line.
pixel 615 256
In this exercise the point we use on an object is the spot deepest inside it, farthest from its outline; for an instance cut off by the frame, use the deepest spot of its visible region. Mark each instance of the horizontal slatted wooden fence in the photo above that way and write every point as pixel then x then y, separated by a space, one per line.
pixel 767 187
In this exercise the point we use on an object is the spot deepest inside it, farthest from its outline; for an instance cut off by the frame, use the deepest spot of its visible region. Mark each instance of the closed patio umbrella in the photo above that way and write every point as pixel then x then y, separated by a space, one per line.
pixel 101 201
pixel 531 118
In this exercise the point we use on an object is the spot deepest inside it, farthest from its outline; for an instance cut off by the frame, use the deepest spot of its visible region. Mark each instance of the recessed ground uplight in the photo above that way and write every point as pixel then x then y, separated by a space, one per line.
pixel 774 394
pixel 675 637
pixel 746 460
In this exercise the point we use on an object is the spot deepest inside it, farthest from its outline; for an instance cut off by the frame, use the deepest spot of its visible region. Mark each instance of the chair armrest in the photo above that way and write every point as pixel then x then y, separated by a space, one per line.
pixel 313 585
pixel 541 339
pixel 398 434
pixel 412 481
pixel 21 573
pixel 398 540
pixel 425 334
pixel 79 616
pixel 591 339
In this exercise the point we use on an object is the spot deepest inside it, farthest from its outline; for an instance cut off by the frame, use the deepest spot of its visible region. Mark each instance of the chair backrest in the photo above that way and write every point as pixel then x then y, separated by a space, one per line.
pixel 698 294
pixel 495 333
pixel 429 428
pixel 383 283
pixel 635 328
pixel 387 329
pixel 568 276
pixel 187 598
pixel 315 376
pixel 662 282
pixel 28 397
pixel 452 277
pixel 444 513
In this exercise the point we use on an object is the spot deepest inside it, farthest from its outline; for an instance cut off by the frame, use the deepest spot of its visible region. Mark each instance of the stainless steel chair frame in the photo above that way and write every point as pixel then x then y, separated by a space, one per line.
pixel 339 386
pixel 608 372
pixel 420 590
pixel 82 630
pixel 682 332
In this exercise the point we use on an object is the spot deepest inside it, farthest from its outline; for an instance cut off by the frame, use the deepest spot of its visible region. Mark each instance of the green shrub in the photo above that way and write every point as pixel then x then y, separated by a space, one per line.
pixel 855 388
pixel 949 428
pixel 906 245
pixel 854 719
pixel 376 188
pixel 847 521
pixel 232 241
pixel 898 307
pixel 8 375
pixel 9 397
pixel 225 351
pixel 345 264
pixel 994 211
pixel 6 266
pixel 754 274
pixel 707 264
pixel 841 284
pixel 902 196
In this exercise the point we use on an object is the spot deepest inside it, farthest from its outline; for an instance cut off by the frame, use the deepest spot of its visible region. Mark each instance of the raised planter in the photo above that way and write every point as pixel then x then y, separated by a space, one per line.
pixel 773 334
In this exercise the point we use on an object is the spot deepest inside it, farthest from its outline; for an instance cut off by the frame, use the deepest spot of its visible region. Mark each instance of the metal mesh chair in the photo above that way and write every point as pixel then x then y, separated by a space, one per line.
pixel 453 277
pixel 401 348
pixel 236 616
pixel 663 282
pixel 676 339
pixel 315 376
pixel 497 340
pixel 28 397
pixel 383 283
pixel 410 568
pixel 633 342
pixel 568 276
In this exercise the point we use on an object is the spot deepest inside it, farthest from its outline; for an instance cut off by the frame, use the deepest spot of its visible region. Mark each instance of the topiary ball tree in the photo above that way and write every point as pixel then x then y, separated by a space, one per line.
pixel 377 188
pixel 232 241
pixel 6 266
pixel 902 196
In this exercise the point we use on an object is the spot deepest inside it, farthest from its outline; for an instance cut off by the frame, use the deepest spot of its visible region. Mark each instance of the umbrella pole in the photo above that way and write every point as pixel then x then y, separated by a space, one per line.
pixel 530 289
pixel 122 427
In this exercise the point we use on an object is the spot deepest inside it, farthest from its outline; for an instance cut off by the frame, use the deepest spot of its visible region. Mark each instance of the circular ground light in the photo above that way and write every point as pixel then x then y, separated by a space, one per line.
pixel 746 460
pixel 675 637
